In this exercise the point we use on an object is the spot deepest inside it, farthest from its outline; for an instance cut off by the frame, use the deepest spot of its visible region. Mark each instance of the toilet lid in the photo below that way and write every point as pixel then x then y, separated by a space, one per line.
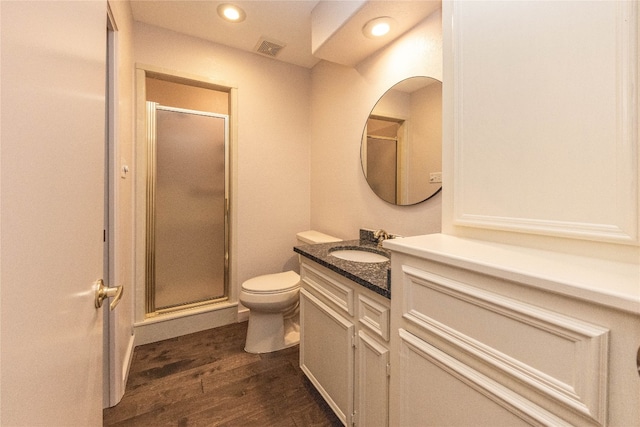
pixel 271 283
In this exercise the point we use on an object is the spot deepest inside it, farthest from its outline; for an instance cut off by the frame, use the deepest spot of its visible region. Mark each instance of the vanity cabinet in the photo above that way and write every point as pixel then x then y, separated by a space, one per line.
pixel 344 344
pixel 488 334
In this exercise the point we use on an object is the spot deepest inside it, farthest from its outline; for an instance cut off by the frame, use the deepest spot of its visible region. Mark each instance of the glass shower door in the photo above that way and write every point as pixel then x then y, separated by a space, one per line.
pixel 382 159
pixel 187 237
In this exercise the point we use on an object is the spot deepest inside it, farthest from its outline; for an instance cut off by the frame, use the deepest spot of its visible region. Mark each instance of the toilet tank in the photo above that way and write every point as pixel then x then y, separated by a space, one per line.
pixel 312 236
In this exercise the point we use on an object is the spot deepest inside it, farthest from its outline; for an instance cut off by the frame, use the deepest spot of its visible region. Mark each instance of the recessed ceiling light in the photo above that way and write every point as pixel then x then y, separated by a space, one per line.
pixel 231 13
pixel 378 27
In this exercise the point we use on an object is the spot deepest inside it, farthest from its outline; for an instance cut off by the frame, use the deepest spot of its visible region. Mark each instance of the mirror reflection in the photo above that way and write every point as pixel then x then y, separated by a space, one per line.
pixel 401 149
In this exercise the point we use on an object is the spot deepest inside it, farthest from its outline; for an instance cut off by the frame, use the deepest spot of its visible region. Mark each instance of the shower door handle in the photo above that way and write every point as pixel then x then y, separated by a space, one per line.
pixel 103 292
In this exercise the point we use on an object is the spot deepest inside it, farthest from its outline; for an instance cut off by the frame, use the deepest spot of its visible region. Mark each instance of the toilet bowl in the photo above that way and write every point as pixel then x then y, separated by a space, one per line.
pixel 273 303
pixel 272 300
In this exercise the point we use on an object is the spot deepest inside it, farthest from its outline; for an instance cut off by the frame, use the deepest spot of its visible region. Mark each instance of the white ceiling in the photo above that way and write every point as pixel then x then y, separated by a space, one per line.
pixel 286 22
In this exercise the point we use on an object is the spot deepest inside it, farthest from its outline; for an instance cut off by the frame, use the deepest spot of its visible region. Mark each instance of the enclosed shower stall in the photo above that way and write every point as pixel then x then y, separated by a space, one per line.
pixel 381 151
pixel 187 208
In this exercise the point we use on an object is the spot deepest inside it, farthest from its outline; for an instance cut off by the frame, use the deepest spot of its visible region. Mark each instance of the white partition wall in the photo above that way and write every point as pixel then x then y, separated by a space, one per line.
pixel 543 102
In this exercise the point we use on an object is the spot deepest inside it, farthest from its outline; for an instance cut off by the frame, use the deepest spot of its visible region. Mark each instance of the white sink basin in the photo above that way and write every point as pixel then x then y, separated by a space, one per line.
pixel 357 255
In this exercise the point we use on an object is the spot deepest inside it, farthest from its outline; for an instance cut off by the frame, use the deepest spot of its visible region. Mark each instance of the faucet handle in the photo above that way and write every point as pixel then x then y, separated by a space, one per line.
pixel 380 236
pixel 379 233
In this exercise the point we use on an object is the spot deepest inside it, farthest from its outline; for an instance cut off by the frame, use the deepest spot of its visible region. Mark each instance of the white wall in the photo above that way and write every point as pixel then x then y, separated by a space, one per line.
pixel 122 230
pixel 341 100
pixel 273 141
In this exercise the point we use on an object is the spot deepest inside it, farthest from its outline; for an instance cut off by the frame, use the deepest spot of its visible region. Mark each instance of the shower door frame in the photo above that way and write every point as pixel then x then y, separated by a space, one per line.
pixel 150 306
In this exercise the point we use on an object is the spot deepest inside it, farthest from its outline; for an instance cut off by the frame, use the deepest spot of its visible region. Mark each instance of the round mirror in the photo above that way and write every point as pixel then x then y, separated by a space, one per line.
pixel 401 149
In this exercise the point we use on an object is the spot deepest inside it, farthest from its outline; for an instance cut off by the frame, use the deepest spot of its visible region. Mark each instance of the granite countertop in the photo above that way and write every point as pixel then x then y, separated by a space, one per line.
pixel 375 276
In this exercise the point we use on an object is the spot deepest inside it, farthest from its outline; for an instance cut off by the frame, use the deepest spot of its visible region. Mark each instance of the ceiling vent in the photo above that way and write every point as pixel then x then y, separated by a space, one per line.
pixel 269 48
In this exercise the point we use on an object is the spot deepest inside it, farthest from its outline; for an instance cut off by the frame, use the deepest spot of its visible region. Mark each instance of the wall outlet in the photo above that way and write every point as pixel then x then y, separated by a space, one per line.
pixel 435 177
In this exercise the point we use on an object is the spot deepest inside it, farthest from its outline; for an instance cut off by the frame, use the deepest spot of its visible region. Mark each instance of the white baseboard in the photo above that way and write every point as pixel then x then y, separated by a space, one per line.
pixel 243 314
pixel 185 322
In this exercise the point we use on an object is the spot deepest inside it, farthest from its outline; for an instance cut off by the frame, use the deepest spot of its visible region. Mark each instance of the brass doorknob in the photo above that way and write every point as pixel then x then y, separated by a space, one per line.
pixel 103 292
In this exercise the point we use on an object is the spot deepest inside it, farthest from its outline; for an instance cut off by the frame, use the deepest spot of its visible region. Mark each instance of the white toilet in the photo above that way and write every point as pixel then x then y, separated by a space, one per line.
pixel 272 301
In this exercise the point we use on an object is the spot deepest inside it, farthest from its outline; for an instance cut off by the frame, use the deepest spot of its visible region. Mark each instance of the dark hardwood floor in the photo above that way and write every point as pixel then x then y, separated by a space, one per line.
pixel 206 379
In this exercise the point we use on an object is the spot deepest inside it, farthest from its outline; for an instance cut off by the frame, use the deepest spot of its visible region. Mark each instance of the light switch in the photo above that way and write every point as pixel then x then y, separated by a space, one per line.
pixel 124 169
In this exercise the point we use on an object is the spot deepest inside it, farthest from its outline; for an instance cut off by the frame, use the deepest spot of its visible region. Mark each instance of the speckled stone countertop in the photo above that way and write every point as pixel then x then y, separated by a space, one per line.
pixel 374 276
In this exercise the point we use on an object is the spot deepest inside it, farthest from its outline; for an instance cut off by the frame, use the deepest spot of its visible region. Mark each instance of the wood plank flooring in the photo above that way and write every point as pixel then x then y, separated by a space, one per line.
pixel 206 379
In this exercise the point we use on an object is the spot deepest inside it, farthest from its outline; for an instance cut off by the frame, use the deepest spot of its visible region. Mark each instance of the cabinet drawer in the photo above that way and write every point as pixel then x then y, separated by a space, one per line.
pixel 322 283
pixel 374 316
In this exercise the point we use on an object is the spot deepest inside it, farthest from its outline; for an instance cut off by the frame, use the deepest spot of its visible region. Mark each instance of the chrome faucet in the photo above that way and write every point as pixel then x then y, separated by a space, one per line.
pixel 380 236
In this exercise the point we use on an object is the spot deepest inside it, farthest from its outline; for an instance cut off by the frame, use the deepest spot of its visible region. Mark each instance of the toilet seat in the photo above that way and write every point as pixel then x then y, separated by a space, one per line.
pixel 272 283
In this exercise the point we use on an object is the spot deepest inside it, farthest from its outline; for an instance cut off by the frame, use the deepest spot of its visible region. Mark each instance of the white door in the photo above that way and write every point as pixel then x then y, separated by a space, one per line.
pixel 52 171
pixel 117 326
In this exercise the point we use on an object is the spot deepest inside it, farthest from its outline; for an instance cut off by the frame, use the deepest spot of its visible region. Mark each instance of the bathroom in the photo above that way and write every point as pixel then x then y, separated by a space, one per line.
pixel 297 159
pixel 286 162
pixel 306 172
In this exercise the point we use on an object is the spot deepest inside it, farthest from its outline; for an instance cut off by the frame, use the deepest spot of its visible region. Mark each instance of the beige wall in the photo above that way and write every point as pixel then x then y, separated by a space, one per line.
pixel 341 100
pixel 272 147
pixel 184 96
pixel 426 112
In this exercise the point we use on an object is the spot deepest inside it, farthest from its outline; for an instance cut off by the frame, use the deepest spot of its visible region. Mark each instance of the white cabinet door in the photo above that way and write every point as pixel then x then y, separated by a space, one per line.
pixel 327 353
pixel 372 394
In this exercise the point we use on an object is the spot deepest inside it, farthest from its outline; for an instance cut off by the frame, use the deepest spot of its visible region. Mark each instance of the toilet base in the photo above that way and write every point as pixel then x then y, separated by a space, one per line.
pixel 268 332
